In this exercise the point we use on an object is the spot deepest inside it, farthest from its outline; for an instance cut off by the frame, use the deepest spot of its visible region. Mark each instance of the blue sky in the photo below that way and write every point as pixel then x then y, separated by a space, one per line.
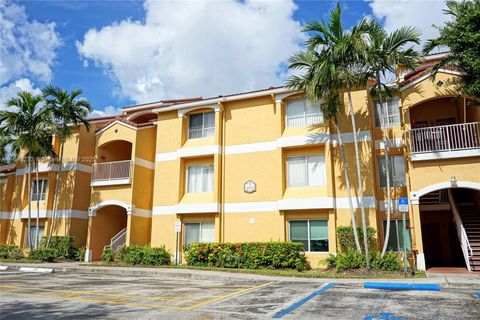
pixel 126 52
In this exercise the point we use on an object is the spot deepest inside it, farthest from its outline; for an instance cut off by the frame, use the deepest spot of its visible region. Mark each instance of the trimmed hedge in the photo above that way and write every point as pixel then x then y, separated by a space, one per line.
pixel 351 260
pixel 250 255
pixel 145 255
pixel 10 251
pixel 43 254
pixel 346 240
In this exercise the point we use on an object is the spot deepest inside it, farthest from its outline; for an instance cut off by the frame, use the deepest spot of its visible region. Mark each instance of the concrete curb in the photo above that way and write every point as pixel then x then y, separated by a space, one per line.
pixel 463 282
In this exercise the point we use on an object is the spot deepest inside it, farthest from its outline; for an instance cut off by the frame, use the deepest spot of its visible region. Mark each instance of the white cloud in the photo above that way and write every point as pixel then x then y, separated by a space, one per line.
pixel 422 14
pixel 107 111
pixel 27 51
pixel 9 91
pixel 27 47
pixel 196 48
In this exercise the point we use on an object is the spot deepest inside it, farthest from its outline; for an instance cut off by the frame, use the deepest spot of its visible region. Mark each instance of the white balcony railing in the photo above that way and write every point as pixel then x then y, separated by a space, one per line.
pixel 304 120
pixel 462 136
pixel 111 173
pixel 201 133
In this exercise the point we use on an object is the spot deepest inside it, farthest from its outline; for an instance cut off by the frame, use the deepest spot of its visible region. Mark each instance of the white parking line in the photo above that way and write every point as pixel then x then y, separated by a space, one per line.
pixel 39 270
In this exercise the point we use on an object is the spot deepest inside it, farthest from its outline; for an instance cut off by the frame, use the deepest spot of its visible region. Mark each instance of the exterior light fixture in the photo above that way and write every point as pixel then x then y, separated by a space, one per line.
pixel 453 182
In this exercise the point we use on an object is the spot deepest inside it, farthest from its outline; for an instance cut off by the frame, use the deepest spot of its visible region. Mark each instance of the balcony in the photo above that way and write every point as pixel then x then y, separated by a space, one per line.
pixel 449 141
pixel 112 173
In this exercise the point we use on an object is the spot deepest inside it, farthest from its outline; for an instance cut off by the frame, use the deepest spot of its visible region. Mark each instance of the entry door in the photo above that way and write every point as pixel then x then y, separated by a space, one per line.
pixel 432 247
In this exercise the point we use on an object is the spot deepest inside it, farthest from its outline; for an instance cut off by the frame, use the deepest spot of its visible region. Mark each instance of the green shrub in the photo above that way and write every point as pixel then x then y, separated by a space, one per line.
pixel 346 240
pixel 250 255
pixel 351 260
pixel 390 262
pixel 133 254
pixel 155 256
pixel 43 254
pixel 63 245
pixel 10 251
pixel 108 255
pixel 78 254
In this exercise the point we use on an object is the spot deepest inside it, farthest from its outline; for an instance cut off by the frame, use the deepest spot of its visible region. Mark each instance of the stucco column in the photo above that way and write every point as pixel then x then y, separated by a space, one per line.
pixel 416 224
pixel 88 250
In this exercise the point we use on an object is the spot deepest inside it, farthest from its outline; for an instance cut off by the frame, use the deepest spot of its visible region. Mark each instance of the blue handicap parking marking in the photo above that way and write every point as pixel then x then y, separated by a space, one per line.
pixel 477 294
pixel 403 201
pixel 384 316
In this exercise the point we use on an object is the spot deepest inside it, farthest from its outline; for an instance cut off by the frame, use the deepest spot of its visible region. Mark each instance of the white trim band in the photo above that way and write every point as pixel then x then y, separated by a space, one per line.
pixel 44 167
pixel 393 143
pixel 144 163
pixel 44 214
pixel 212 207
pixel 188 152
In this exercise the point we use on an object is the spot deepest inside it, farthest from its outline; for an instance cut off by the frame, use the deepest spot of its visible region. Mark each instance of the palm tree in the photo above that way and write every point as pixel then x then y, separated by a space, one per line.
pixel 343 53
pixel 22 122
pixel 67 109
pixel 320 85
pixel 386 51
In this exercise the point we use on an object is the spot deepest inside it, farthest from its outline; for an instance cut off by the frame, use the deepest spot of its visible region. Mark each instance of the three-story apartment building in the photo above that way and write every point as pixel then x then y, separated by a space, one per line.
pixel 265 165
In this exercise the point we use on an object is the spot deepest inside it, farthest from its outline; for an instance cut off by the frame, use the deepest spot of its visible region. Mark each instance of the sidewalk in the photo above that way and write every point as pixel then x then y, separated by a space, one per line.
pixel 444 280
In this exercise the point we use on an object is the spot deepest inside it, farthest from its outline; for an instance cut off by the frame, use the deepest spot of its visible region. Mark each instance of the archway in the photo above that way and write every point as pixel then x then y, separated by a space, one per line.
pixel 107 221
pixel 450 222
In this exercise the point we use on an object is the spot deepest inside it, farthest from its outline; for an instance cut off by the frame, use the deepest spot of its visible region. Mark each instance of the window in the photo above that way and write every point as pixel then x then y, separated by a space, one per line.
pixel 199 232
pixel 301 113
pixel 397 171
pixel 201 125
pixel 306 171
pixel 42 189
pixel 395 239
pixel 312 233
pixel 33 235
pixel 387 115
pixel 200 178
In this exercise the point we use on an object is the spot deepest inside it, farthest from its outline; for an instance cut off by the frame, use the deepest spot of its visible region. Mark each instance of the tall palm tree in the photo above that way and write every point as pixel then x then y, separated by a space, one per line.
pixel 67 109
pixel 386 51
pixel 343 53
pixel 320 86
pixel 22 122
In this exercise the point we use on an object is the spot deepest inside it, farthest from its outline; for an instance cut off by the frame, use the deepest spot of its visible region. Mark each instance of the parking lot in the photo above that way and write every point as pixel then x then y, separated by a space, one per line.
pixel 76 296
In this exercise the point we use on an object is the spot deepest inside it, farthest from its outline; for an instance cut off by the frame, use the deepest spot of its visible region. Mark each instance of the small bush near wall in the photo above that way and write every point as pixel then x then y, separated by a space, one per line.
pixel 10 251
pixel 346 239
pixel 43 254
pixel 145 255
pixel 250 255
pixel 352 260
pixel 63 246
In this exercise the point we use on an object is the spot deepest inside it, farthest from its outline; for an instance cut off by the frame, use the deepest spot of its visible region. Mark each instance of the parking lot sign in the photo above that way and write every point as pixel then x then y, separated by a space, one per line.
pixel 403 204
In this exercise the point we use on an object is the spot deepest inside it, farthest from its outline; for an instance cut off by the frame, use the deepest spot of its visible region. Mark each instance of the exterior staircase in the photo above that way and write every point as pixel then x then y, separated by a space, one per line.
pixel 118 241
pixel 469 209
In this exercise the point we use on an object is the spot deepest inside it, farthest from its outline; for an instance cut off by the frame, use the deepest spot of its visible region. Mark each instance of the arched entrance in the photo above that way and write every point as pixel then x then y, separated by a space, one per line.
pixel 107 222
pixel 450 222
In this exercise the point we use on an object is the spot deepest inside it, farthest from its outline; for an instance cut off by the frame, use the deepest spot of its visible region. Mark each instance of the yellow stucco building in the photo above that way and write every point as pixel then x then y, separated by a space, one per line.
pixel 265 165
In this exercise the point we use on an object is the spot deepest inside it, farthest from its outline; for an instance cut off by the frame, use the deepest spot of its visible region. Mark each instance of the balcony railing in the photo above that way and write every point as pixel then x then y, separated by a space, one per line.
pixel 304 120
pixel 110 173
pixel 201 133
pixel 455 137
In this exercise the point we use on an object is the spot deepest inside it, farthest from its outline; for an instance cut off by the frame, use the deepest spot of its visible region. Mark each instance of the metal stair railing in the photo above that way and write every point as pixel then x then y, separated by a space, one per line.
pixel 462 234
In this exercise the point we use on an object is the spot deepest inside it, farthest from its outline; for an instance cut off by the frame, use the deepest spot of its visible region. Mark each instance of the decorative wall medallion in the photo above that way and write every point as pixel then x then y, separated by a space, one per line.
pixel 250 187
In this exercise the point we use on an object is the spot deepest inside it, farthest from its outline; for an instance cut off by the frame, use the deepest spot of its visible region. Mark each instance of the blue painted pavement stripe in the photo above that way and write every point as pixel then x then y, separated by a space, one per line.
pixel 477 294
pixel 299 303
pixel 402 286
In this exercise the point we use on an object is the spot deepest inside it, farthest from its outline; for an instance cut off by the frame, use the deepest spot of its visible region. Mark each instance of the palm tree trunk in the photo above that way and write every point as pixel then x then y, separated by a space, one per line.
pixel 347 182
pixel 38 212
pixel 55 196
pixel 387 169
pixel 359 176
pixel 29 198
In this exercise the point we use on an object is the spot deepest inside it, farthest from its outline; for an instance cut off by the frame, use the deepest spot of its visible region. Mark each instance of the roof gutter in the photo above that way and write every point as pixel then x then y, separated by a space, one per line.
pixel 223 99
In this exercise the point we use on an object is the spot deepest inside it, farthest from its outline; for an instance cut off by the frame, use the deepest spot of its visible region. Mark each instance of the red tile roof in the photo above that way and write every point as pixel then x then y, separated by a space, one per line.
pixel 8 168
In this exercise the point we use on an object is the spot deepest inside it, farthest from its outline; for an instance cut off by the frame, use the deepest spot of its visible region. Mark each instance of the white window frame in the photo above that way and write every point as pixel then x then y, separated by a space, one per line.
pixel 394 182
pixel 205 131
pixel 200 223
pixel 304 122
pixel 390 119
pixel 308 233
pixel 42 193
pixel 203 165
pixel 306 171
